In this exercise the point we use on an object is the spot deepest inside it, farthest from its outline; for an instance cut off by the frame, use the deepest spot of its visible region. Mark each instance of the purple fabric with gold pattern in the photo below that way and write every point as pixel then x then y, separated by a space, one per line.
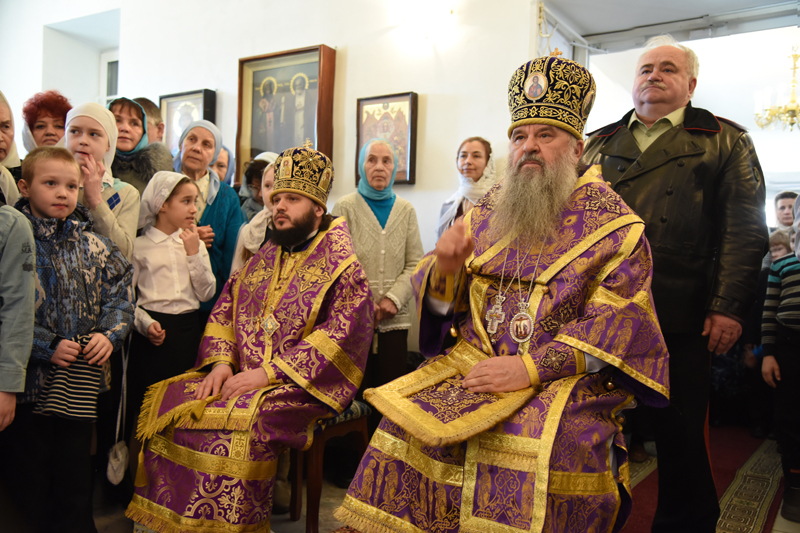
pixel 210 465
pixel 548 458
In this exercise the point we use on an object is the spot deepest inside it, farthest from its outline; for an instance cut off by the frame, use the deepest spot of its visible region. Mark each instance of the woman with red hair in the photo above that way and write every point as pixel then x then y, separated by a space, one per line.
pixel 44 116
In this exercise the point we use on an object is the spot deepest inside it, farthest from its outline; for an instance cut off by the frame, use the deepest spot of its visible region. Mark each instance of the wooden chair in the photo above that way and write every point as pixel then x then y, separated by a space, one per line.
pixel 352 420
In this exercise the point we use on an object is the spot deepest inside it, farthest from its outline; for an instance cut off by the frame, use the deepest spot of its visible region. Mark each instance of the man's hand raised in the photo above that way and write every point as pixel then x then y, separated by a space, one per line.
pixel 453 248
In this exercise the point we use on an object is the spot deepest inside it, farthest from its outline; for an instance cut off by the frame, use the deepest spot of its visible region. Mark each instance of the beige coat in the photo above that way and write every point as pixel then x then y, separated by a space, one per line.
pixel 388 255
pixel 118 223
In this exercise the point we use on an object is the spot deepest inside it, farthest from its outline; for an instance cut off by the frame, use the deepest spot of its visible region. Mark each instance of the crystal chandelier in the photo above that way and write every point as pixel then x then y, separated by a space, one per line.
pixel 786 114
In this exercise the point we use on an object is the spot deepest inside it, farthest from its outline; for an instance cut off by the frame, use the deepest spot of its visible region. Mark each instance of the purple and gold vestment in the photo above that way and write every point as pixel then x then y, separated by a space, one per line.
pixel 210 465
pixel 547 458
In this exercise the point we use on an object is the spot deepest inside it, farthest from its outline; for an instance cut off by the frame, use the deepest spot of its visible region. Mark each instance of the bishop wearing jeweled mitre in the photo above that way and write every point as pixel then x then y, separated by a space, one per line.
pixel 537 318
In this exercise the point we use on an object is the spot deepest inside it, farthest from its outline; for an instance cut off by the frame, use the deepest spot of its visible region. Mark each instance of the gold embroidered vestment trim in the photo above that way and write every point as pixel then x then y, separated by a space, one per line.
pixel 446 474
pixel 212 464
pixel 333 353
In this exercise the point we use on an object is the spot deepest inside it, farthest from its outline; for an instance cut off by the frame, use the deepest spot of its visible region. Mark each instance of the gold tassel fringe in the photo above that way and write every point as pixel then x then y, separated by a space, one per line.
pixel 211 422
pixel 147 428
pixel 359 522
pixel 141 473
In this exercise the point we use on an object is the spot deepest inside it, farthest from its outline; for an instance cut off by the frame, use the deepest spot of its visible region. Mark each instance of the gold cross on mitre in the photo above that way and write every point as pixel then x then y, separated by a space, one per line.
pixel 310 154
pixel 556 53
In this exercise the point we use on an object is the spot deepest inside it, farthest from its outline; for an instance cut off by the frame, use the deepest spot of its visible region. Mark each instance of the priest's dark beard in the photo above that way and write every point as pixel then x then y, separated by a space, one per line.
pixel 296 234
pixel 531 200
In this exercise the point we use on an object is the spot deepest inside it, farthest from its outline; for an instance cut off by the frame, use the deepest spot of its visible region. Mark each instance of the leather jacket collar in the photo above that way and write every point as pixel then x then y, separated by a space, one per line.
pixel 696 119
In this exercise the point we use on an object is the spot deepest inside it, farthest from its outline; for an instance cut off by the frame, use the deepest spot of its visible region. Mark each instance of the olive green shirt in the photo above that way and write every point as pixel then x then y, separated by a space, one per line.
pixel 645 136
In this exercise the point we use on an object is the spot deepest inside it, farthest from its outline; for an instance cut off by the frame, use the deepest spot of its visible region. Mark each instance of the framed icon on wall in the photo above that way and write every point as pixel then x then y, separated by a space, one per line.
pixel 284 99
pixel 392 117
pixel 181 109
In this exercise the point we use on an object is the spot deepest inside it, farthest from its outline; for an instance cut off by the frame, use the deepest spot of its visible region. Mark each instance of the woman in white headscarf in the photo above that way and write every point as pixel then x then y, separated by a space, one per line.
pixel 476 176
pixel 45 117
pixel 45 113
pixel 256 232
pixel 92 138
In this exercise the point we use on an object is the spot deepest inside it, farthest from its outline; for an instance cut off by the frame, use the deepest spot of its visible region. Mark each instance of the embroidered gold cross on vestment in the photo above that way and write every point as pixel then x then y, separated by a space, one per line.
pixel 312 274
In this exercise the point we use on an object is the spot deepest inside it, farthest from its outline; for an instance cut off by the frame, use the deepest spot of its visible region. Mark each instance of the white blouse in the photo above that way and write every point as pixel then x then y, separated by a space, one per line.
pixel 169 281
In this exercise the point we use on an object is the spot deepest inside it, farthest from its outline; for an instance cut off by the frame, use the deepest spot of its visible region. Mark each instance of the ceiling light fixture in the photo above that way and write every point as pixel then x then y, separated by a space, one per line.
pixel 787 114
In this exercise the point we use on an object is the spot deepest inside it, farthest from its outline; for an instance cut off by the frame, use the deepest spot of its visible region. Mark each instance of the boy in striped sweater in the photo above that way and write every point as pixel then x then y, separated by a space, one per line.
pixel 780 330
pixel 83 311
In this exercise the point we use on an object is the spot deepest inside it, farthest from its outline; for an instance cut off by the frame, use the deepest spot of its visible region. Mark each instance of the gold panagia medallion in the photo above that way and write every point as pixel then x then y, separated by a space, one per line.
pixel 270 325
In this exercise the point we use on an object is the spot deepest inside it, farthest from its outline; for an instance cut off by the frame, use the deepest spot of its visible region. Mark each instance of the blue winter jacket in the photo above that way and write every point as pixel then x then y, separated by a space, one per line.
pixel 83 285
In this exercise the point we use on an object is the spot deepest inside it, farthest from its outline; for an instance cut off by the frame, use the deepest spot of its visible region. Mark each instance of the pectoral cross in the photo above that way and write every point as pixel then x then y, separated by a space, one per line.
pixel 495 316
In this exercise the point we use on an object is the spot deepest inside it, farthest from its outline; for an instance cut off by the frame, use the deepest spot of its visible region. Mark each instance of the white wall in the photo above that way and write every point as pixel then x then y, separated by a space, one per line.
pixel 732 70
pixel 69 66
pixel 457 54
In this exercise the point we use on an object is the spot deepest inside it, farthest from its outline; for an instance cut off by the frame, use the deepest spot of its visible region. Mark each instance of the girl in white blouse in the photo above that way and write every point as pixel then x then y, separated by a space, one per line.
pixel 172 275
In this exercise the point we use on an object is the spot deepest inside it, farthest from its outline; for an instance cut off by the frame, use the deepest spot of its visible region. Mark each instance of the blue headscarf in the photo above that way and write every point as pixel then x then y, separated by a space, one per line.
pixel 176 163
pixel 143 141
pixel 381 202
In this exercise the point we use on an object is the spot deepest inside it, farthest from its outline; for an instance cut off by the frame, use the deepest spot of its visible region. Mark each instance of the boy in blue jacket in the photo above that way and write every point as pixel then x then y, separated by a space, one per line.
pixel 83 311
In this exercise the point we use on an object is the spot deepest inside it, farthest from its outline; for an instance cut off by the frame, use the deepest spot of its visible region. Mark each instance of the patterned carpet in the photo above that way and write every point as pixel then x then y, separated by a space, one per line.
pixel 747 474
pixel 746 503
pixel 639 471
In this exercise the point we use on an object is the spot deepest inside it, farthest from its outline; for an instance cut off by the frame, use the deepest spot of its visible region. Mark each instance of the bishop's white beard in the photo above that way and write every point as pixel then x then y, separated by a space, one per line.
pixel 531 200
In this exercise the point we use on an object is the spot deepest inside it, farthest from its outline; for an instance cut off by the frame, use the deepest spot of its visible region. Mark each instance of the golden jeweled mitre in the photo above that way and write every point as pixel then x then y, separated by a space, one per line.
pixel 305 171
pixel 551 90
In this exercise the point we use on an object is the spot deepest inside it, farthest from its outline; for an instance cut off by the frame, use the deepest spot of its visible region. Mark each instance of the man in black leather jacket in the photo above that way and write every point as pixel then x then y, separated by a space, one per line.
pixel 695 180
